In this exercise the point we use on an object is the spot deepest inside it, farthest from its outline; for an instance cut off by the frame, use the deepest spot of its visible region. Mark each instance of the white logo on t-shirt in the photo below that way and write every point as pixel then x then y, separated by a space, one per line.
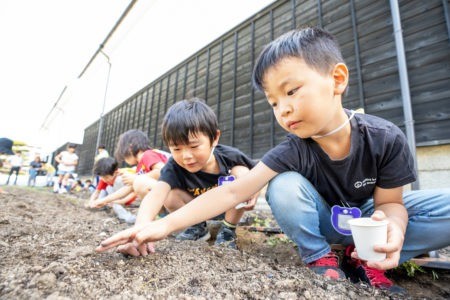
pixel 365 182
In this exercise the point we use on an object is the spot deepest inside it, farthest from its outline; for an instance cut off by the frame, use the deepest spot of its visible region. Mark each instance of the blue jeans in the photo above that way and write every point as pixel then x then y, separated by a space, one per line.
pixel 305 218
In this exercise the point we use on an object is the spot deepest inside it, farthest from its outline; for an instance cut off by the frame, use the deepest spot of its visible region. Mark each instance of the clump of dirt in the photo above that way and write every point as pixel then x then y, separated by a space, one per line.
pixel 47 244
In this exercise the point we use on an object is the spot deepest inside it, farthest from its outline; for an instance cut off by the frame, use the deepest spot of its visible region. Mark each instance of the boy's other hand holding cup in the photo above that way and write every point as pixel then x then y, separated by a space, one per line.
pixel 392 236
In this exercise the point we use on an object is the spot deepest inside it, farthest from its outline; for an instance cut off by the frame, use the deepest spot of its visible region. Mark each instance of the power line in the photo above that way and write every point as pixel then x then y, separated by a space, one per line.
pixel 102 45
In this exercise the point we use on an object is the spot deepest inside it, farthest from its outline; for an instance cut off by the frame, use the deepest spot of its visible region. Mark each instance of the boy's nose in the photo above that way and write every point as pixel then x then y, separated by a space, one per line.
pixel 187 154
pixel 285 108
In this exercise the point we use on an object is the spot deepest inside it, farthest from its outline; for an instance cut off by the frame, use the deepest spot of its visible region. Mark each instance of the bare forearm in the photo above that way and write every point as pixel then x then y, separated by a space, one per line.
pixel 122 192
pixel 152 203
pixel 125 199
pixel 95 195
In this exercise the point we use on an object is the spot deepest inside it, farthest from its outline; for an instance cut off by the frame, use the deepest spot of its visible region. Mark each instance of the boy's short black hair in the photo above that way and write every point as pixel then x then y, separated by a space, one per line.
pixel 101 146
pixel 105 166
pixel 317 47
pixel 130 143
pixel 72 145
pixel 188 117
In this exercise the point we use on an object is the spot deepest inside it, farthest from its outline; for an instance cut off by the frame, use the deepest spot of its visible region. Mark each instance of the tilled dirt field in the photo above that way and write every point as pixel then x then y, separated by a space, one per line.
pixel 47 247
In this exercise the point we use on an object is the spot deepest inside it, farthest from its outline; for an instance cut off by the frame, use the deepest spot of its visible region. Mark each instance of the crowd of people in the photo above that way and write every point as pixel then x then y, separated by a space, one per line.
pixel 333 160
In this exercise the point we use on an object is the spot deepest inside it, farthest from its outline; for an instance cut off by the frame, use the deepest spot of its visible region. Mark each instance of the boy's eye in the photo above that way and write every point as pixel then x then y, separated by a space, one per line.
pixel 273 104
pixel 194 146
pixel 292 92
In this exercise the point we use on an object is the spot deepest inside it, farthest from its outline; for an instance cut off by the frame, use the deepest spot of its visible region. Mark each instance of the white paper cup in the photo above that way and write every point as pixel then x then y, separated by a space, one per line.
pixel 366 234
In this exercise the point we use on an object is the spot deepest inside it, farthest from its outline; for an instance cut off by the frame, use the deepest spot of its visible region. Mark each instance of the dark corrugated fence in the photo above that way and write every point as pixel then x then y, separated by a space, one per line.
pixel 220 73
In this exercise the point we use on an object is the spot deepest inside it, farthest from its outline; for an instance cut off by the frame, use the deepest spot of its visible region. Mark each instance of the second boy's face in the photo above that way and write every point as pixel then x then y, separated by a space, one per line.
pixel 109 179
pixel 303 100
pixel 195 156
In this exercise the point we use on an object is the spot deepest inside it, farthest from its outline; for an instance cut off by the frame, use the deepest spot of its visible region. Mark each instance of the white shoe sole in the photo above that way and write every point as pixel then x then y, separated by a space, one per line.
pixel 205 237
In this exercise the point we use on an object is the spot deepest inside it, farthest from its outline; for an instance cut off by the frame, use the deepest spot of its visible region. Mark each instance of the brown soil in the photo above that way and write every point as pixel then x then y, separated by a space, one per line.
pixel 47 246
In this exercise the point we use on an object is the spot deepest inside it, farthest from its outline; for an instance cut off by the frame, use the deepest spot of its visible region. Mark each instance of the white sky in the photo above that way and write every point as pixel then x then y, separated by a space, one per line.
pixel 45 44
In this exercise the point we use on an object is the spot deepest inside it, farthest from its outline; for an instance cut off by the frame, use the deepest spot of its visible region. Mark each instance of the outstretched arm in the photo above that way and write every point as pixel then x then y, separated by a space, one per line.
pixel 200 209
pixel 127 199
pixel 119 194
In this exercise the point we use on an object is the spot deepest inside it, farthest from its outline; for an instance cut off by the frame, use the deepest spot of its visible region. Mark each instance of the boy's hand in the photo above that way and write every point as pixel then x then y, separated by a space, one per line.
pixel 97 204
pixel 121 238
pixel 136 236
pixel 392 248
pixel 141 250
pixel 128 178
pixel 252 202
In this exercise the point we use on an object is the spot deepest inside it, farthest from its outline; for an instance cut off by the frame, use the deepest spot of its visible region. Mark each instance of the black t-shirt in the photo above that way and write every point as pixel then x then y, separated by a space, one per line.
pixel 200 182
pixel 379 156
pixel 35 165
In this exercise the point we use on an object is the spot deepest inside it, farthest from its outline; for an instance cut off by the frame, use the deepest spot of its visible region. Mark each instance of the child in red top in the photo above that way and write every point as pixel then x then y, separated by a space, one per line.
pixel 133 148
pixel 110 188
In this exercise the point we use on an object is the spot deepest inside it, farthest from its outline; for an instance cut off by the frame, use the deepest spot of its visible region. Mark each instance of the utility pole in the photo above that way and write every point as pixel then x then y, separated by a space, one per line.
pixel 100 125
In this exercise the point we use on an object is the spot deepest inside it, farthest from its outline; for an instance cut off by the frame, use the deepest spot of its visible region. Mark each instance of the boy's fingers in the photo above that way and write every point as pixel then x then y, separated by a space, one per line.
pixel 128 249
pixel 142 249
pixel 106 246
pixel 378 215
pixel 151 247
pixel 389 263
pixel 387 248
pixel 383 265
pixel 119 238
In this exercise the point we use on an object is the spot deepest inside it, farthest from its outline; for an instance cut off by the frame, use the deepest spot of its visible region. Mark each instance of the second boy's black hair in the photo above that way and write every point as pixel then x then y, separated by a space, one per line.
pixel 188 117
pixel 130 143
pixel 317 47
pixel 105 166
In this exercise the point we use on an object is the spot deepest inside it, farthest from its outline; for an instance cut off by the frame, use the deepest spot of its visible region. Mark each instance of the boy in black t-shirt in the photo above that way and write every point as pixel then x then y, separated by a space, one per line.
pixel 198 164
pixel 335 164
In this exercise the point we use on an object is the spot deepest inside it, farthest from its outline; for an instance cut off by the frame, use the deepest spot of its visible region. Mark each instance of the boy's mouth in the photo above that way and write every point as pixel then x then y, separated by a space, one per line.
pixel 293 124
pixel 190 165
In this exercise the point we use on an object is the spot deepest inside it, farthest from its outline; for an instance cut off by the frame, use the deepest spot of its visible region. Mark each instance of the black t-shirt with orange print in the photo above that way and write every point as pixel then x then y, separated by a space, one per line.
pixel 200 182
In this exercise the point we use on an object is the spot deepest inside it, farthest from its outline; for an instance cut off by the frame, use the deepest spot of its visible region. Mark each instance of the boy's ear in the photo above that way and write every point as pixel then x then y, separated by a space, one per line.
pixel 340 77
pixel 216 140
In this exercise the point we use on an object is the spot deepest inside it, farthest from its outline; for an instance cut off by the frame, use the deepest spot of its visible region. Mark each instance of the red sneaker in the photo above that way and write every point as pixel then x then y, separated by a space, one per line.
pixel 357 270
pixel 327 266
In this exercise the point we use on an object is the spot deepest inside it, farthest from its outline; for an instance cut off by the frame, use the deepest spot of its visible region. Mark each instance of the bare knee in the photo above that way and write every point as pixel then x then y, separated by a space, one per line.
pixel 142 185
pixel 176 199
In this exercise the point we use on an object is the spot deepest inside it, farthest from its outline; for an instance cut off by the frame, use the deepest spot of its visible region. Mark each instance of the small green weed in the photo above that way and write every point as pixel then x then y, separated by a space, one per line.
pixel 434 274
pixel 257 222
pixel 277 240
pixel 411 268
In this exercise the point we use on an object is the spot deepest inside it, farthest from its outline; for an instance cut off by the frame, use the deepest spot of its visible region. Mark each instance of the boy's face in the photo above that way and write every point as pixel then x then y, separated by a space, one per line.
pixel 131 160
pixel 71 150
pixel 109 179
pixel 304 101
pixel 197 155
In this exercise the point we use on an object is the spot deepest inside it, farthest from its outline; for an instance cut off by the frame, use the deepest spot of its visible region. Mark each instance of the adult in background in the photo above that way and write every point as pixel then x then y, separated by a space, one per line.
pixel 35 167
pixel 5 148
pixel 15 162
pixel 67 160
